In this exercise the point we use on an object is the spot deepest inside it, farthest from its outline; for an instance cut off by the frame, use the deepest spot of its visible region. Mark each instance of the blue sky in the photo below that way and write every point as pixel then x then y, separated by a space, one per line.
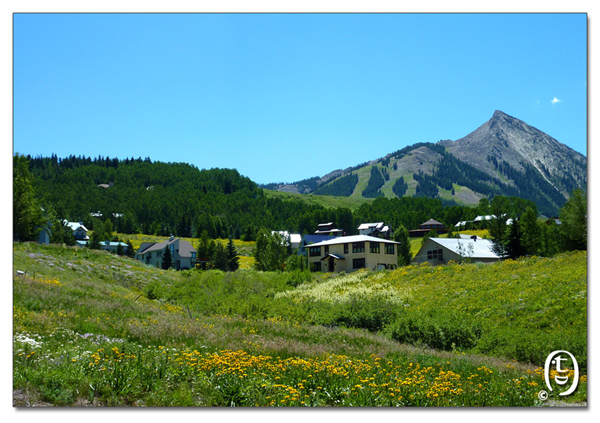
pixel 284 97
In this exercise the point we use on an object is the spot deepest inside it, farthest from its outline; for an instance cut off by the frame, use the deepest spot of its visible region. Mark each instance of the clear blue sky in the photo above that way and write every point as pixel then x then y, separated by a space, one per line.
pixel 286 97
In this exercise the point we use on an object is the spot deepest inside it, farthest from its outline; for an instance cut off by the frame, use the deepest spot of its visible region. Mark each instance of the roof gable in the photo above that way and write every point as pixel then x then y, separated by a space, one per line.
pixel 481 248
pixel 432 222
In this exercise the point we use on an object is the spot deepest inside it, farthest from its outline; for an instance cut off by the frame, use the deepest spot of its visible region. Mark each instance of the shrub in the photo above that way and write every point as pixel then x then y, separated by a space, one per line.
pixel 298 277
pixel 371 313
pixel 445 333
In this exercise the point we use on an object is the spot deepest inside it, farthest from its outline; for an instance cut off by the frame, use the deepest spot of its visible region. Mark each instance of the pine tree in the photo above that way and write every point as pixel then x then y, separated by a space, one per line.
pixel 512 243
pixel 130 252
pixel 98 235
pixel 404 254
pixel 531 232
pixel 573 217
pixel 232 258
pixel 167 259
pixel 219 259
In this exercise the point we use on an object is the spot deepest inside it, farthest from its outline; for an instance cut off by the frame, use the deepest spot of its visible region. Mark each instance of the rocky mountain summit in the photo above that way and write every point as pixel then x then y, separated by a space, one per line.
pixel 504 156
pixel 504 138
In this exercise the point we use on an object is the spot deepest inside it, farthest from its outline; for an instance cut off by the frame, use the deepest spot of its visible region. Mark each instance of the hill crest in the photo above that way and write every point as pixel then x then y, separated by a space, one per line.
pixel 504 156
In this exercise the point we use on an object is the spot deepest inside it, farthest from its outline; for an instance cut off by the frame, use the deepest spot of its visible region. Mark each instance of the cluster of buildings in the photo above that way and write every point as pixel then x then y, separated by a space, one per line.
pixel 329 249
pixel 373 249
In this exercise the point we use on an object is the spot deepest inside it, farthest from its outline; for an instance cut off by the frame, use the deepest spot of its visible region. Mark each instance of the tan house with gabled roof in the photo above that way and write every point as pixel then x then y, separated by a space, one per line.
pixel 350 253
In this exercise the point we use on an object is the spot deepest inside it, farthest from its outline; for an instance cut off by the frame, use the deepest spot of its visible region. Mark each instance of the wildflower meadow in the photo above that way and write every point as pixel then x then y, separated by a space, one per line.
pixel 90 328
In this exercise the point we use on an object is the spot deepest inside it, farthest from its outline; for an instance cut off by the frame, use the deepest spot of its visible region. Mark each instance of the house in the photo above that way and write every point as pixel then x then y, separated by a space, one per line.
pixel 44 235
pixel 293 239
pixel 312 239
pixel 182 253
pixel 351 253
pixel 425 227
pixel 479 219
pixel 553 221
pixel 468 247
pixel 113 247
pixel 79 231
pixel 329 229
pixel 378 230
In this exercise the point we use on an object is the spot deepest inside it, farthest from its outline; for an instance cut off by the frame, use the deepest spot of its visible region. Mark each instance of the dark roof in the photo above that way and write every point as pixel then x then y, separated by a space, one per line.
pixel 334 256
pixel 156 246
pixel 145 246
pixel 185 248
pixel 432 222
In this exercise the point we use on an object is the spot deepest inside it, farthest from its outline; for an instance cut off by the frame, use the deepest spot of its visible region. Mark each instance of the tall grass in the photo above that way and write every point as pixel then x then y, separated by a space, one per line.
pixel 93 328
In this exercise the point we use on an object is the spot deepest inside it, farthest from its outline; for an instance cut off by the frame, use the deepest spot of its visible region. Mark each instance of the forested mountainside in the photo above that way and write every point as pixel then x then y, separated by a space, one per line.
pixel 504 156
pixel 179 199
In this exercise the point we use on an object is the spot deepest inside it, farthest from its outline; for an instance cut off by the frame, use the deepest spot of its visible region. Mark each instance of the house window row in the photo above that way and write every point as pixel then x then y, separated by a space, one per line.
pixel 435 254
pixel 358 247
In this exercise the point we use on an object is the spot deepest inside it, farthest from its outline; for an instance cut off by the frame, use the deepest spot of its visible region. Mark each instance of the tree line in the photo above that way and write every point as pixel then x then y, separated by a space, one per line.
pixel 178 199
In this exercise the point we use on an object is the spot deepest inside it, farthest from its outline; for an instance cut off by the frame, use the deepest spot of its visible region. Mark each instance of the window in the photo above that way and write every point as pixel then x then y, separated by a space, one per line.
pixel 389 248
pixel 358 247
pixel 358 263
pixel 374 247
pixel 326 249
pixel 435 254
pixel 345 248
pixel 314 251
pixel 316 267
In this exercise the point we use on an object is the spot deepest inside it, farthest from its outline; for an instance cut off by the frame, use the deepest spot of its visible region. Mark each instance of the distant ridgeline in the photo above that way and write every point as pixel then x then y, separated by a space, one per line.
pixel 448 173
pixel 504 156
pixel 139 195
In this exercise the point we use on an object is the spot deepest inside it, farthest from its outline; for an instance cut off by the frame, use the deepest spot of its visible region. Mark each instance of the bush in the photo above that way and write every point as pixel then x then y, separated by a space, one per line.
pixel 298 277
pixel 371 313
pixel 446 333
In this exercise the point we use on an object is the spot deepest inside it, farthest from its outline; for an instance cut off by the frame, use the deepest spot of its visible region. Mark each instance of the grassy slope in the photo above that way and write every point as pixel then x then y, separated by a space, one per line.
pixel 328 201
pixel 75 307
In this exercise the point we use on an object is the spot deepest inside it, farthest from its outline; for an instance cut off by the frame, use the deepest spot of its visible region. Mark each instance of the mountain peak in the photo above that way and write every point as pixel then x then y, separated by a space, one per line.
pixel 505 141
pixel 499 116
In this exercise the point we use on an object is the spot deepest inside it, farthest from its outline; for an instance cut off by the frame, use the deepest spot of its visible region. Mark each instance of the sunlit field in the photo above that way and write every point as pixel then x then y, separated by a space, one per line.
pixel 90 328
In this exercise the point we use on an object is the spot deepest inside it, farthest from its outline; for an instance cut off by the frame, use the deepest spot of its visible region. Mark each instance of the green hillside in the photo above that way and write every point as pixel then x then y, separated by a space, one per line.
pixel 91 328
pixel 328 201
pixel 433 172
